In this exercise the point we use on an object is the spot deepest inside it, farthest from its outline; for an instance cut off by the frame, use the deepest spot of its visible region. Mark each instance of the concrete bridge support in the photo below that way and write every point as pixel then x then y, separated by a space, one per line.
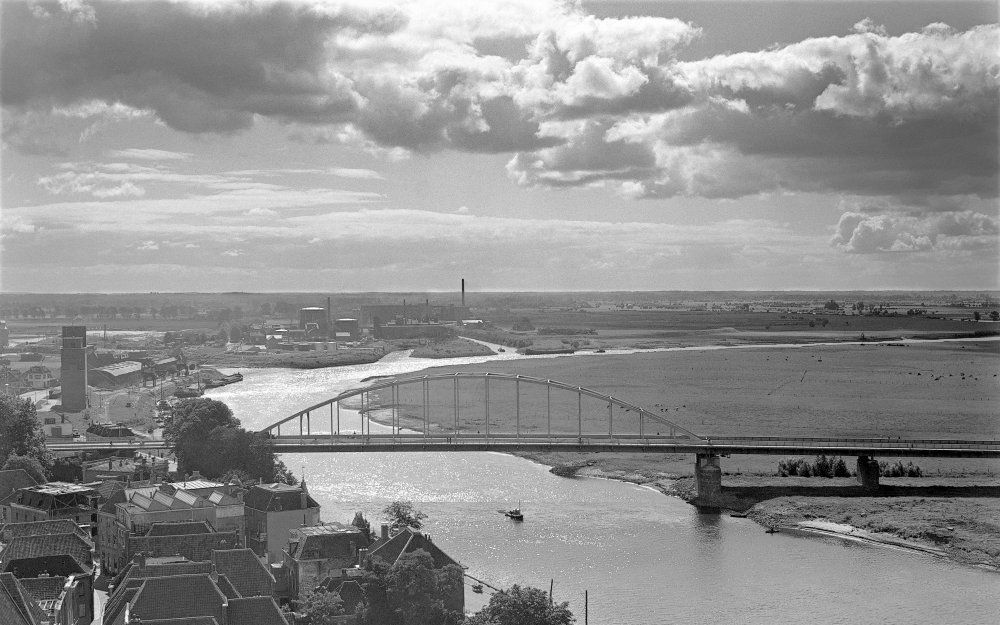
pixel 868 472
pixel 708 479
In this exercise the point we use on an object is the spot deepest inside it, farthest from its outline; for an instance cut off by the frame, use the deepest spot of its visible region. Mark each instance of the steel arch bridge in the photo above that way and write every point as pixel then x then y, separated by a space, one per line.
pixel 639 418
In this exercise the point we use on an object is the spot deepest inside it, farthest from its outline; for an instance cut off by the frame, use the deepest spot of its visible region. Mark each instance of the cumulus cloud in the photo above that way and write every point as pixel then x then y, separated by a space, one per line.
pixel 875 227
pixel 576 99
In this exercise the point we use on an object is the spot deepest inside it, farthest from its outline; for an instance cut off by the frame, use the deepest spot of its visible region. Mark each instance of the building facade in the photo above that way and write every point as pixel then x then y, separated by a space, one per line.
pixel 272 511
pixel 317 553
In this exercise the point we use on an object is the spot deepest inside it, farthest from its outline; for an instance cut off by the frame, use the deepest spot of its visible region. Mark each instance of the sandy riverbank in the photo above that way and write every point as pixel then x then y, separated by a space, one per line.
pixel 957 518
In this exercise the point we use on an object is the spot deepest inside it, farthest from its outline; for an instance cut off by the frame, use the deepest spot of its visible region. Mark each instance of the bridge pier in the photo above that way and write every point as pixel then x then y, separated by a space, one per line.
pixel 708 479
pixel 868 472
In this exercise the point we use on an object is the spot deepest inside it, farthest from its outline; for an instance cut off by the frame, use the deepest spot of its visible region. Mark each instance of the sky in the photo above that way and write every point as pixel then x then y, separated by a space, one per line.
pixel 524 145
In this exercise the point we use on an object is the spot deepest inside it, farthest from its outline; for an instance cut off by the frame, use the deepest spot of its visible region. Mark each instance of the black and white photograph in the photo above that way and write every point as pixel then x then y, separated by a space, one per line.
pixel 499 312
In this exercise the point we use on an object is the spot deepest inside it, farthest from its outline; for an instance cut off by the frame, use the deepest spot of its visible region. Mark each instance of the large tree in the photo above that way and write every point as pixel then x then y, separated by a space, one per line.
pixel 29 465
pixel 522 606
pixel 206 437
pixel 322 608
pixel 412 592
pixel 20 431
pixel 400 514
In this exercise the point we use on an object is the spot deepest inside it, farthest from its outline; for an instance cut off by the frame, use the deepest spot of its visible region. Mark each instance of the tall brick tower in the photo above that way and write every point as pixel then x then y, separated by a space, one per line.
pixel 74 368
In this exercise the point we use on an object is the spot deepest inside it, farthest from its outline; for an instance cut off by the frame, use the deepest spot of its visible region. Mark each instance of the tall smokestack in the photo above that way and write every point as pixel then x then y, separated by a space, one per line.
pixel 329 327
pixel 463 292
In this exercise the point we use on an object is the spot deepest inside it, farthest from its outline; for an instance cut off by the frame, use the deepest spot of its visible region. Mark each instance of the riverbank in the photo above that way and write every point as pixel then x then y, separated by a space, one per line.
pixel 447 348
pixel 957 518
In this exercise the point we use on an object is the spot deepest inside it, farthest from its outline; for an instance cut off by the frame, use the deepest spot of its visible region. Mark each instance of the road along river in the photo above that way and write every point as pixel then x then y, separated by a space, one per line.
pixel 646 559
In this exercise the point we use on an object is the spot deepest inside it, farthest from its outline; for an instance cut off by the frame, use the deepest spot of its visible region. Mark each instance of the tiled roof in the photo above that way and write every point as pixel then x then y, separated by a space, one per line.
pixel 227 587
pixel 44 588
pixel 195 484
pixel 352 594
pixel 247 574
pixel 178 596
pixel 13 480
pixel 195 547
pixel 330 540
pixel 60 564
pixel 179 528
pixel 48 545
pixel 256 611
pixel 277 497
pixel 408 541
pixel 35 528
pixel 16 605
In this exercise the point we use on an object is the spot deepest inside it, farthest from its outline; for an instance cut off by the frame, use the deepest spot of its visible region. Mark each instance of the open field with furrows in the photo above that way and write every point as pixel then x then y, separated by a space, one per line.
pixel 927 390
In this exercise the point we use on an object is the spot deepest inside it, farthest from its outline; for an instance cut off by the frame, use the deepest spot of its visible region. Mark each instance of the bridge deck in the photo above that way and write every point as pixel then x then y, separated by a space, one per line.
pixel 946 448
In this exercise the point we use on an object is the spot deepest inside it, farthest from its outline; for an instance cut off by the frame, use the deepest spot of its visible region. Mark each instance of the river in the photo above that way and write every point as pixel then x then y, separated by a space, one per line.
pixel 644 558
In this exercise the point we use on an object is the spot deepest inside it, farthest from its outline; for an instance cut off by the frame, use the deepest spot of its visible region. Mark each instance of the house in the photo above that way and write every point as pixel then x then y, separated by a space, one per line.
pixel 54 500
pixel 16 605
pixel 225 590
pixel 194 540
pixel 39 377
pixel 129 514
pixel 272 510
pixel 390 549
pixel 10 482
pixel 11 531
pixel 55 569
pixel 320 552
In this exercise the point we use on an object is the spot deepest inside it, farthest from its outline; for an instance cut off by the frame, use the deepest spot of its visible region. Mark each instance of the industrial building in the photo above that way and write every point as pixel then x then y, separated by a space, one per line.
pixel 119 375
pixel 411 331
pixel 315 319
pixel 74 368
pixel 385 313
pixel 347 329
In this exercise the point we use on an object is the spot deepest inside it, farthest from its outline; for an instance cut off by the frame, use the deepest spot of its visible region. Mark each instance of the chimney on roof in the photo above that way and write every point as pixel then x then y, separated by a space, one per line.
pixel 363 556
pixel 385 531
pixel 214 574
pixel 140 560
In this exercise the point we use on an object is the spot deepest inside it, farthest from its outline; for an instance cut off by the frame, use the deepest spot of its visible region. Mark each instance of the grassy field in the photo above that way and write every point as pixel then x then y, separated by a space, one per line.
pixel 922 390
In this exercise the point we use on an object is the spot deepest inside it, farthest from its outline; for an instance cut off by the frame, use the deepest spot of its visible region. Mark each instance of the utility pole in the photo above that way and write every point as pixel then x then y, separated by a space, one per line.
pixel 586 608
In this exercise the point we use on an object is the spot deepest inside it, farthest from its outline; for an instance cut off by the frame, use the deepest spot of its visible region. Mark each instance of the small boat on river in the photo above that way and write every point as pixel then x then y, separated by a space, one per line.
pixel 514 514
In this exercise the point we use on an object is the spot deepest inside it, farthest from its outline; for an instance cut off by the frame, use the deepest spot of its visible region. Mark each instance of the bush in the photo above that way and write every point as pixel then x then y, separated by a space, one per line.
pixel 899 469
pixel 834 466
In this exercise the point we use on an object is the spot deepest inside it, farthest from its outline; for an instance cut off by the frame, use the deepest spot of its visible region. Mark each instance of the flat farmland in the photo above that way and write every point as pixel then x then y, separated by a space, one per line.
pixel 923 390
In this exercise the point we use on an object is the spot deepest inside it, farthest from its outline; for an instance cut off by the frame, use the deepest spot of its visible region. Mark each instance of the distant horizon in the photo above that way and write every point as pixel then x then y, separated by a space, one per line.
pixel 504 292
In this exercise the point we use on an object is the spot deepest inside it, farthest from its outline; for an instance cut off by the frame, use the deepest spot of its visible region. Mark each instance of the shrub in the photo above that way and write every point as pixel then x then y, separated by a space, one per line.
pixel 833 466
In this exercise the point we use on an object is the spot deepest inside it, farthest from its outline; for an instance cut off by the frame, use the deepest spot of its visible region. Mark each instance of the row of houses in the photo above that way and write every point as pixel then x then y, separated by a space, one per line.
pixel 240 551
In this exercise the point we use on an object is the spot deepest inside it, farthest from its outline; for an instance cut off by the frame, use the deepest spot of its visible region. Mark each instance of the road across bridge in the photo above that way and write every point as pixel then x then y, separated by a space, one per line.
pixel 414 415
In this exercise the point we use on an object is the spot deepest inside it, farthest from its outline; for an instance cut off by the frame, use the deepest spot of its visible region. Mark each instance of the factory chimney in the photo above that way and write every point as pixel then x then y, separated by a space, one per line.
pixel 463 292
pixel 329 327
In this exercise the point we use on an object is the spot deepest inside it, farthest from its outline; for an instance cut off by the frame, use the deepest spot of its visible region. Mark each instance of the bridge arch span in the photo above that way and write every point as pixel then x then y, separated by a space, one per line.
pixel 302 420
